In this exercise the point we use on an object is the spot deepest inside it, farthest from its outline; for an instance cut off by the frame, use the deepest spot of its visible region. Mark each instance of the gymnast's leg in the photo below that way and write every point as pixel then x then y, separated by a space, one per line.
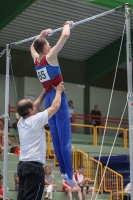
pixel 61 135
pixel 64 134
pixel 53 128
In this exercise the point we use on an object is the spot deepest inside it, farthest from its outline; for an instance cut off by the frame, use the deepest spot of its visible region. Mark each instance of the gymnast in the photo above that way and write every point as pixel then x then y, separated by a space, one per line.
pixel 49 73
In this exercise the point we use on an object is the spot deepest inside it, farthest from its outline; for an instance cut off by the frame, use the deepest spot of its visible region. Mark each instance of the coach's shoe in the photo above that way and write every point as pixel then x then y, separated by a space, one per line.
pixel 64 176
pixel 71 182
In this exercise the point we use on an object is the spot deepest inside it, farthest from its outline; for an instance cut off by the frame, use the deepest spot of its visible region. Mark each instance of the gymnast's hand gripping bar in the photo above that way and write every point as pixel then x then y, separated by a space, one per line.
pixel 74 24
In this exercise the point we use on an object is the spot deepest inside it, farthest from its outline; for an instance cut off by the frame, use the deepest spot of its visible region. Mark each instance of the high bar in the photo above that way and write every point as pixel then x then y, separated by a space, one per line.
pixel 74 24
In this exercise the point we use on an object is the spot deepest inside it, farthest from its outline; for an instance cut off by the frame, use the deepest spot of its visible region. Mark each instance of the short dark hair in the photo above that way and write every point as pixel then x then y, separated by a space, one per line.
pixel 1 177
pixel 80 167
pixel 38 44
pixel 23 107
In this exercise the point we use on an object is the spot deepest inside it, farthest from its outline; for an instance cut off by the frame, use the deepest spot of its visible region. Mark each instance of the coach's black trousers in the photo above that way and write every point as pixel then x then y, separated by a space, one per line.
pixel 31 180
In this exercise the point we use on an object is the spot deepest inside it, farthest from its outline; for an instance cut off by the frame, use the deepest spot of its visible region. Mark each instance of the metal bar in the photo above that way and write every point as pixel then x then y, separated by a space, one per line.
pixel 130 92
pixel 6 120
pixel 74 24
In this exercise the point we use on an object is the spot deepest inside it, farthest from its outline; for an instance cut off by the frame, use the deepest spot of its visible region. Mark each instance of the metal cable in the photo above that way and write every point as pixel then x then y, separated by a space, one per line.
pixel 111 149
pixel 14 132
pixel 14 83
pixel 16 101
pixel 109 108
pixel 2 53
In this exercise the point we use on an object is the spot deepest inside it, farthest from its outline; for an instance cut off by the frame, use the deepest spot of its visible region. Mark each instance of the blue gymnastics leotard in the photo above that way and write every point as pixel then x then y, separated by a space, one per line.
pixel 60 123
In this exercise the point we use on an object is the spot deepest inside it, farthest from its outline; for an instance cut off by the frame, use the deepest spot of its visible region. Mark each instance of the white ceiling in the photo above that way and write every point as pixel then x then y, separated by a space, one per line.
pixel 85 39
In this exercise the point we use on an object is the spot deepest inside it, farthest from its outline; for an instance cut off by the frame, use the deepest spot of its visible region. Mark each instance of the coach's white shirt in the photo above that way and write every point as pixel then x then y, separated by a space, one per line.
pixel 33 138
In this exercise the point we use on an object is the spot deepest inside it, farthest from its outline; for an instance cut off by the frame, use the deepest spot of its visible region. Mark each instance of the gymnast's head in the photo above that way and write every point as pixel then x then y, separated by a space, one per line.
pixel 25 108
pixel 41 45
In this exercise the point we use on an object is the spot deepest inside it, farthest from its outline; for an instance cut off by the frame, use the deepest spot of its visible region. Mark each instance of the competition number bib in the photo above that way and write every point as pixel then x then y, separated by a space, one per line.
pixel 43 75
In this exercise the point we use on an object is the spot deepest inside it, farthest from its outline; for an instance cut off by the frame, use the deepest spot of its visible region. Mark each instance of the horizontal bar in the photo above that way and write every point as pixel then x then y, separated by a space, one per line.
pixel 74 24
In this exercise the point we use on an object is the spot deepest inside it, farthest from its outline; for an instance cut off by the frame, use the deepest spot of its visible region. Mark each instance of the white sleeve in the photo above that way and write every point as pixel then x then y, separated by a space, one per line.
pixel 40 119
pixel 127 187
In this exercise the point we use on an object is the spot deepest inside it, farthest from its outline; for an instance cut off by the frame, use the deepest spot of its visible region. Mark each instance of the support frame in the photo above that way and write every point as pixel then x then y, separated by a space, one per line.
pixel 130 91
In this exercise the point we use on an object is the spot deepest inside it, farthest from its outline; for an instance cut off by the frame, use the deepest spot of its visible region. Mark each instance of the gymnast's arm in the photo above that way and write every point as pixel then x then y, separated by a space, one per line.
pixel 59 45
pixel 57 101
pixel 34 54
